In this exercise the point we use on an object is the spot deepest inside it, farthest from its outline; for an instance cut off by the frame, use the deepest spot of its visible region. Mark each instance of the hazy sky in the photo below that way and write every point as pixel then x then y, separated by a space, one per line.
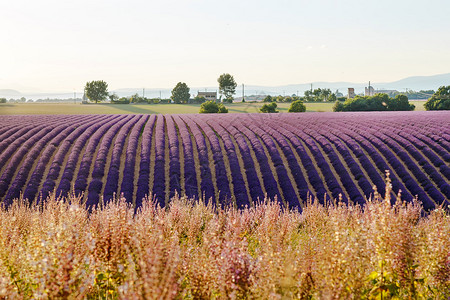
pixel 58 45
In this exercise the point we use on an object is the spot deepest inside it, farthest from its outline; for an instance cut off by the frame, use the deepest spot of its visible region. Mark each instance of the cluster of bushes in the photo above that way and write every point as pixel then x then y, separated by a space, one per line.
pixel 378 102
pixel 320 95
pixel 211 107
pixel 296 106
pixel 440 99
pixel 281 99
pixel 269 108
pixel 136 99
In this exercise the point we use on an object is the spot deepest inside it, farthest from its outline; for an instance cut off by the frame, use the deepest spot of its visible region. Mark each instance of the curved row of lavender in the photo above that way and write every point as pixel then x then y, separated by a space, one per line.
pixel 234 158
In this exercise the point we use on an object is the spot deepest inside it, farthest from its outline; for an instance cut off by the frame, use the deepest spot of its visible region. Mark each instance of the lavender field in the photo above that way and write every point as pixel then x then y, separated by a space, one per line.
pixel 231 159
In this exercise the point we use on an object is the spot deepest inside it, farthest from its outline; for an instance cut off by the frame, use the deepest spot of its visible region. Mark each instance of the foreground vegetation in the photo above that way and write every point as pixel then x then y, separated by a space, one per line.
pixel 64 108
pixel 190 250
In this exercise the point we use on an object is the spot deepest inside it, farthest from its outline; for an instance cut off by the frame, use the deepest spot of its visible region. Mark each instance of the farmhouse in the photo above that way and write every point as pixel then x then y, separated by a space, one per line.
pixel 209 96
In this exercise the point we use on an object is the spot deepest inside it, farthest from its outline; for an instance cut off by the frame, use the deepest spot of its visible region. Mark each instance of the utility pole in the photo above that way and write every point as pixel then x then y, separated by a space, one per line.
pixel 75 97
pixel 159 95
pixel 143 93
pixel 311 88
pixel 243 93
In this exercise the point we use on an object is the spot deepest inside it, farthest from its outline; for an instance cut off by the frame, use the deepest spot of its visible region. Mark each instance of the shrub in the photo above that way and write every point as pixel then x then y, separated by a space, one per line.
pixel 123 100
pixel 297 106
pixel 211 107
pixel 269 108
pixel 338 106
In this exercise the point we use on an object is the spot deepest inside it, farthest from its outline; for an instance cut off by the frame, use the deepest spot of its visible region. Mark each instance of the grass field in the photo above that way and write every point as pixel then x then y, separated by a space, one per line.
pixel 75 109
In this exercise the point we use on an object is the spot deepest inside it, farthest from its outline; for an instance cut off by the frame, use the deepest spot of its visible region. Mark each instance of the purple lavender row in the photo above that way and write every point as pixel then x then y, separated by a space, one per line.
pixel 410 183
pixel 143 189
pixel 422 142
pixel 345 144
pixel 237 180
pixel 348 136
pixel 15 160
pixel 347 182
pixel 84 131
pixel 287 189
pixel 437 139
pixel 330 179
pixel 342 127
pixel 420 177
pixel 435 157
pixel 32 187
pixel 222 182
pixel 375 129
pixel 25 137
pixel 112 180
pixel 206 184
pixel 159 182
pixel 379 162
pixel 174 158
pixel 46 143
pixel 436 153
pixel 313 176
pixel 12 144
pixel 190 174
pixel 252 177
pixel 293 165
pixel 96 183
pixel 431 172
pixel 85 163
pixel 11 134
pixel 268 179
pixel 7 130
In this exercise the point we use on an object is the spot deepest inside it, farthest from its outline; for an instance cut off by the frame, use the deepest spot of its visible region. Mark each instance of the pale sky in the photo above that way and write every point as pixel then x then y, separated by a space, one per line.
pixel 57 45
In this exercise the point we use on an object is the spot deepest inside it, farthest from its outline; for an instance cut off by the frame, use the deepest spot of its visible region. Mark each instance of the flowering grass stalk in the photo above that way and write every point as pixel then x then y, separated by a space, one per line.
pixel 191 250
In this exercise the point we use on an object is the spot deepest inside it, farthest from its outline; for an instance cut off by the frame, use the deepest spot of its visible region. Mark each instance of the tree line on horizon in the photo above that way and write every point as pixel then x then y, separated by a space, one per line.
pixel 97 91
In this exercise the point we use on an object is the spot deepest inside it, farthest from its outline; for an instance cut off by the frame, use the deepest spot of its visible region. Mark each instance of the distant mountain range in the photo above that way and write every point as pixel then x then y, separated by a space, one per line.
pixel 415 83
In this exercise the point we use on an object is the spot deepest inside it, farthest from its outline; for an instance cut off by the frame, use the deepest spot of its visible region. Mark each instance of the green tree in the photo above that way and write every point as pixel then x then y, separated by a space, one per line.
pixel 96 90
pixel 332 98
pixel 138 99
pixel 269 108
pixel 180 93
pixel 227 86
pixel 268 98
pixel 297 106
pixel 308 95
pixel 2 100
pixel 113 98
pixel 211 107
pixel 400 102
pixel 440 99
